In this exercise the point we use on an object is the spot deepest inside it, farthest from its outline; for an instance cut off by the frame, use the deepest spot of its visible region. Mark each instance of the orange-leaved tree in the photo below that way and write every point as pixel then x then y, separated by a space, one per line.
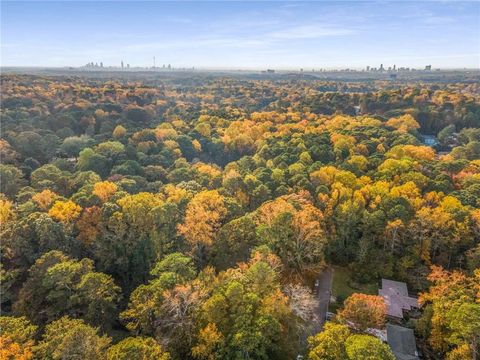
pixel 364 311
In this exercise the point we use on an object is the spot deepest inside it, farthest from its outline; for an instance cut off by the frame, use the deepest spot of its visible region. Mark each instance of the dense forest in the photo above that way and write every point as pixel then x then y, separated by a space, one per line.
pixel 189 218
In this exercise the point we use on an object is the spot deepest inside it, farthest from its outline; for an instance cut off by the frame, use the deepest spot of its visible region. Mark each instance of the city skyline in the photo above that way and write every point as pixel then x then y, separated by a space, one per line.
pixel 233 35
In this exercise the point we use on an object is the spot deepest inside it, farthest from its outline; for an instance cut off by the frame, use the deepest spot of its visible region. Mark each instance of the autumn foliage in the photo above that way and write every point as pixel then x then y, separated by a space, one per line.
pixel 364 311
pixel 190 216
pixel 65 211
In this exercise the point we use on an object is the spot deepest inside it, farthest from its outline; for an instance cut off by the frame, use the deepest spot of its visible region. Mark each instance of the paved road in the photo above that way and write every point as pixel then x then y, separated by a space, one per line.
pixel 323 293
pixel 323 286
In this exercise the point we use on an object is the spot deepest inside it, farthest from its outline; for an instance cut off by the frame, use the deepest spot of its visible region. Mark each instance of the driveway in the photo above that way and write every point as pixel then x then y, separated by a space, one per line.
pixel 323 291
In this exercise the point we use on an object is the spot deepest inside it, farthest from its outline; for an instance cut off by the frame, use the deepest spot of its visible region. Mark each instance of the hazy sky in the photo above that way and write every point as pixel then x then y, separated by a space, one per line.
pixel 242 34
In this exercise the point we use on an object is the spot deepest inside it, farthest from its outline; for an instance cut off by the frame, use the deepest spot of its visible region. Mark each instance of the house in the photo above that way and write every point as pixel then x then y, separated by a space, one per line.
pixel 402 342
pixel 396 298
pixel 429 140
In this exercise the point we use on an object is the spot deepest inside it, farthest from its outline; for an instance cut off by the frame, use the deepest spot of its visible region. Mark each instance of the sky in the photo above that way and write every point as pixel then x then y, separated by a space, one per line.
pixel 242 35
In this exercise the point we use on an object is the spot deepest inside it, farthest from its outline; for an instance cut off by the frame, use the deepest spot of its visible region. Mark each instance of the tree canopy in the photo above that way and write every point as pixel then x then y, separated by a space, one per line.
pixel 188 217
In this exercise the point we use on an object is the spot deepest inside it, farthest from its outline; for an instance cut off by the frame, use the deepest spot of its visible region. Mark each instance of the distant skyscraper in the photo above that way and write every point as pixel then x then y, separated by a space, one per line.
pixel 394 67
pixel 381 67
pixel 368 68
pixel 122 64
pixel 428 67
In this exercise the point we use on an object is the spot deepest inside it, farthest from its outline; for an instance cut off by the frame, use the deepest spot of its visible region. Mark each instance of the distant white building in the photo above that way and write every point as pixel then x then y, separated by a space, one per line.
pixel 430 140
pixel 395 294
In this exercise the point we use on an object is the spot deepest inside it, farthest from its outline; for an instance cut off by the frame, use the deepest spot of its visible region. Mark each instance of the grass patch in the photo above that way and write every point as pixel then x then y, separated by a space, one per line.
pixel 343 286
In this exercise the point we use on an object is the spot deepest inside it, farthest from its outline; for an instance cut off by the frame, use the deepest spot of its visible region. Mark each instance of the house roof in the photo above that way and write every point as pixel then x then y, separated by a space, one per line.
pixel 396 297
pixel 397 287
pixel 402 342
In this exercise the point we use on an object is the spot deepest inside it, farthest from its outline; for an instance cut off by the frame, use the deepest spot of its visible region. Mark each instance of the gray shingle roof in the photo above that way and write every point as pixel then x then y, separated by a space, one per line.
pixel 396 297
pixel 402 342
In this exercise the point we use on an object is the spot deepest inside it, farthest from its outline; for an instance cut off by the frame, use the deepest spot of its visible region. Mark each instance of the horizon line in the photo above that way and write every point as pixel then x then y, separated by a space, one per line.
pixel 298 68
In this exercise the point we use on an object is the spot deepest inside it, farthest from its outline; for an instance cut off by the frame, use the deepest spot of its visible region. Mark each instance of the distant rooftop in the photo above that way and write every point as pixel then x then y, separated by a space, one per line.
pixel 430 140
pixel 402 342
pixel 395 294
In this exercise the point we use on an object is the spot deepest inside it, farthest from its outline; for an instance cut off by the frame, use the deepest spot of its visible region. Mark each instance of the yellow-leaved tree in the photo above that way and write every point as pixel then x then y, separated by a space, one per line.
pixel 104 190
pixel 403 123
pixel 65 211
pixel 203 219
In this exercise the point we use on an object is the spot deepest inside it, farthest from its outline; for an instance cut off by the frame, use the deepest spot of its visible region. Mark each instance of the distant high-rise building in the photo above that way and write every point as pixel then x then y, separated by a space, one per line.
pixel 101 64
pixel 394 67
pixel 381 67
pixel 122 64
pixel 428 67
pixel 368 68
pixel 169 66
pixel 128 66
